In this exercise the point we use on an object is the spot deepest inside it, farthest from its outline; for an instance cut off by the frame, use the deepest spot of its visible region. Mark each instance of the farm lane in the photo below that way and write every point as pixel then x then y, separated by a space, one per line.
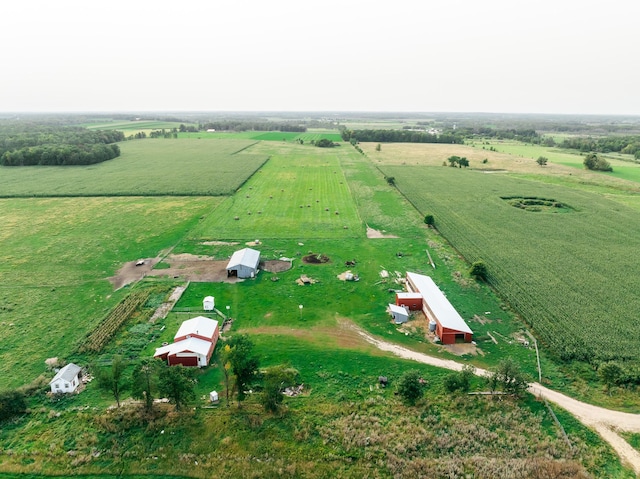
pixel 598 418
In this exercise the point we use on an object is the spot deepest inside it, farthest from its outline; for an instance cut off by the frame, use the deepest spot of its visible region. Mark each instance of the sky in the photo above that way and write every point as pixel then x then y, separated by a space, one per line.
pixel 561 56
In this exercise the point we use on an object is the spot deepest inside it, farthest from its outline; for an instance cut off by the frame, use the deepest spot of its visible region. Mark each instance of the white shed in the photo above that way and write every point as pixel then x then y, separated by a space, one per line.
pixel 244 263
pixel 66 380
pixel 398 313
pixel 208 303
pixel 213 396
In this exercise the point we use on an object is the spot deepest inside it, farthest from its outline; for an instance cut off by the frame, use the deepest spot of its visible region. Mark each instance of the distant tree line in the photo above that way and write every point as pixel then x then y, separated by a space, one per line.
pixel 619 144
pixel 400 136
pixel 29 143
pixel 243 125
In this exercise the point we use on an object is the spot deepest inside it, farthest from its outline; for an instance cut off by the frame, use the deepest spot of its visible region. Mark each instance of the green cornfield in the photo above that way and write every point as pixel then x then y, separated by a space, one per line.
pixel 572 275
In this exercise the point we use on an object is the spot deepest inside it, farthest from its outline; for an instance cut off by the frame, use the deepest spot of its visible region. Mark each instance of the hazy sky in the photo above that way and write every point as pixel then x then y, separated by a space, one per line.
pixel 546 56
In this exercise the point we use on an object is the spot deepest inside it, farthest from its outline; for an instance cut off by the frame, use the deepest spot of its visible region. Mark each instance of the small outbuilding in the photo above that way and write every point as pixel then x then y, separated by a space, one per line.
pixel 213 396
pixel 66 379
pixel 398 313
pixel 208 303
pixel 244 263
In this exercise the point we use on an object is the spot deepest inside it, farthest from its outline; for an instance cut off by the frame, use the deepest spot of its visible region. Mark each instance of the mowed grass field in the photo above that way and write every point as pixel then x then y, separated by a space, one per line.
pixel 306 137
pixel 56 257
pixel 300 194
pixel 146 167
pixel 571 275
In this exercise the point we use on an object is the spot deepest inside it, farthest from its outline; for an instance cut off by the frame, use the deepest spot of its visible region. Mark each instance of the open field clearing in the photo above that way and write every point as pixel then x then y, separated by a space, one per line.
pixel 146 167
pixel 55 260
pixel 301 195
pixel 307 137
pixel 130 127
pixel 557 269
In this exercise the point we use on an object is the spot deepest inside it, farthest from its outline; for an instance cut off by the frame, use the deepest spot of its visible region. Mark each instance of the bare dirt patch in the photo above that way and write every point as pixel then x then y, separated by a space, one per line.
pixel 190 267
pixel 460 349
pixel 276 266
pixel 316 259
pixel 132 271
pixel 376 234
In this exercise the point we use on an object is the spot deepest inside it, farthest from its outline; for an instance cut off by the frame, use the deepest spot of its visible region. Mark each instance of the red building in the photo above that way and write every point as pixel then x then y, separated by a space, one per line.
pixel 450 327
pixel 193 344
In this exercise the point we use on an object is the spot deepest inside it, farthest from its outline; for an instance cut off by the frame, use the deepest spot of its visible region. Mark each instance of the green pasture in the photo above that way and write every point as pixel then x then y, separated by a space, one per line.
pixel 282 136
pixel 55 261
pixel 557 270
pixel 133 126
pixel 302 194
pixel 155 167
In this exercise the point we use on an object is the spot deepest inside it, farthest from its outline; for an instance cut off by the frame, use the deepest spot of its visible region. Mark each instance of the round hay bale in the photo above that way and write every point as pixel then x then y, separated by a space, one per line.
pixel 337 212
pixel 248 212
pixel 326 209
pixel 236 217
pixel 345 227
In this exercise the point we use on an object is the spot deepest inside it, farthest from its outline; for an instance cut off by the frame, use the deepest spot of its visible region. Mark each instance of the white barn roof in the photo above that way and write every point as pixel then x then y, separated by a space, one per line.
pixel 194 345
pixel 245 257
pixel 67 373
pixel 199 325
pixel 438 303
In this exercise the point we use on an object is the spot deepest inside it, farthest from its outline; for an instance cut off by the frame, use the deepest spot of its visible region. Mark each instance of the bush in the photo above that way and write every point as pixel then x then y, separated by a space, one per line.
pixel 429 220
pixel 411 386
pixel 478 270
pixel 12 403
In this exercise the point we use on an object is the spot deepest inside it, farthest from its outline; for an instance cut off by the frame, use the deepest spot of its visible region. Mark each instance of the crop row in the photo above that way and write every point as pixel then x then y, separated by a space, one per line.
pixel 100 336
pixel 569 275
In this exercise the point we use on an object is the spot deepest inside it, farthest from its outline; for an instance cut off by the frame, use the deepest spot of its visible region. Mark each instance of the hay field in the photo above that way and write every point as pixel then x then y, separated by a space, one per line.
pixel 300 194
pixel 155 167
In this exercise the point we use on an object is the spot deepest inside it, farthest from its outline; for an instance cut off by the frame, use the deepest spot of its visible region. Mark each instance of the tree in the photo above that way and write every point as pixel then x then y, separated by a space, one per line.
pixel 112 378
pixel 542 161
pixel 463 162
pixel 276 379
pixel 244 363
pixel 453 161
pixel 12 403
pixel 508 377
pixel 478 270
pixel 411 386
pixel 378 147
pixel 325 143
pixel 144 381
pixel 391 180
pixel 594 162
pixel 429 220
pixel 176 383
pixel 610 373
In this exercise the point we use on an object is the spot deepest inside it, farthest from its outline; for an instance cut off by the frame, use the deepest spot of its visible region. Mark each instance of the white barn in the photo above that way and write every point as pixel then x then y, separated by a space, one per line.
pixel 66 380
pixel 244 263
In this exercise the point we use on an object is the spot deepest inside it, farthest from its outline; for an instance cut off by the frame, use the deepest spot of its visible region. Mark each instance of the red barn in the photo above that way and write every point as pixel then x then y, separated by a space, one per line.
pixel 193 344
pixel 450 327
pixel 413 301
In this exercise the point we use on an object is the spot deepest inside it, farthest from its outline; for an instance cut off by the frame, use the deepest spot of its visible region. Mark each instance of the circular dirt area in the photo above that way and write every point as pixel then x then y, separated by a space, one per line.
pixel 316 259
pixel 276 266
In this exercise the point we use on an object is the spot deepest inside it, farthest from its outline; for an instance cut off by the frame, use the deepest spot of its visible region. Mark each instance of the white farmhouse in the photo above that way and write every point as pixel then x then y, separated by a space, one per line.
pixel 66 380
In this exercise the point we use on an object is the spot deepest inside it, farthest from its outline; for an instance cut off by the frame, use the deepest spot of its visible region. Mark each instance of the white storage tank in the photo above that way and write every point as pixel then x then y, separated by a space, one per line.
pixel 432 325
